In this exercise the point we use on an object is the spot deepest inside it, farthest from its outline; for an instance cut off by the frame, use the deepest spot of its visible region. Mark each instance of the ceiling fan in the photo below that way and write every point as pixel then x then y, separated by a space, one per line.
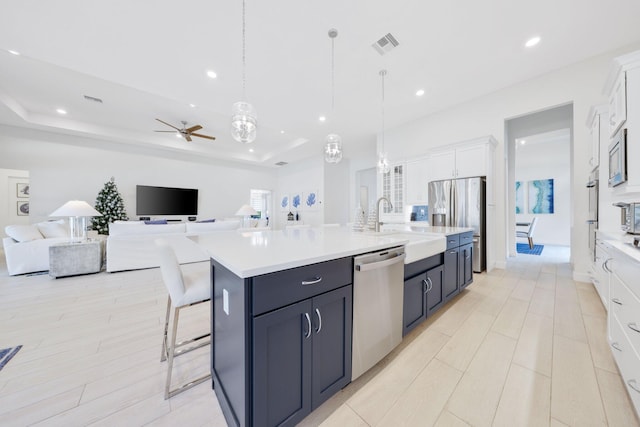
pixel 186 132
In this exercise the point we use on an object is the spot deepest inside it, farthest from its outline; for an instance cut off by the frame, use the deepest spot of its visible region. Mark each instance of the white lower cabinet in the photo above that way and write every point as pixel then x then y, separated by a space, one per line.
pixel 624 321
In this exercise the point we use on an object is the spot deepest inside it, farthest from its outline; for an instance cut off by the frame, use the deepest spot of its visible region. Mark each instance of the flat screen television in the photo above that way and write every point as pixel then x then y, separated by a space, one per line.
pixel 166 201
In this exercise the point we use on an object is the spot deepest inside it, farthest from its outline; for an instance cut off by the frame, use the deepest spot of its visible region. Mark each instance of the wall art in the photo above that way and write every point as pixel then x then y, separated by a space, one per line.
pixel 520 198
pixel 284 203
pixel 22 190
pixel 23 208
pixel 541 196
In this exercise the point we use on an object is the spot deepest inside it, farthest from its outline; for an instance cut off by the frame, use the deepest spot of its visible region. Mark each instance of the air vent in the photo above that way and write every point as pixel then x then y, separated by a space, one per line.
pixel 93 99
pixel 281 163
pixel 385 44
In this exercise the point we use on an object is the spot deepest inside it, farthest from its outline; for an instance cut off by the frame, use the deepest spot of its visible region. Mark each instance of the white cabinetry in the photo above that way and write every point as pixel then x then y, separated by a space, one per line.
pixel 417 179
pixel 600 267
pixel 618 103
pixel 624 321
pixel 471 158
pixel 623 87
pixel 597 123
pixel 392 184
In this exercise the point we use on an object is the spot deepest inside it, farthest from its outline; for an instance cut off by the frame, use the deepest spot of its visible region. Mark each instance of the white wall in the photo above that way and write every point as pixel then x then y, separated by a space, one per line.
pixel 580 84
pixel 547 160
pixel 60 172
pixel 9 178
pixel 336 192
pixel 300 178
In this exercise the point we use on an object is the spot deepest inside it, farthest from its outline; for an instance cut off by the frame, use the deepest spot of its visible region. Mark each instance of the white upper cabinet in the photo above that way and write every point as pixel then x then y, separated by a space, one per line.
pixel 618 103
pixel 597 124
pixel 474 158
pixel 417 179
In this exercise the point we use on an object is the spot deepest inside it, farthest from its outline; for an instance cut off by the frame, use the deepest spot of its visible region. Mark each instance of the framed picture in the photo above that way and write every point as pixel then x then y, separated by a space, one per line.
pixel 296 201
pixel 22 190
pixel 23 208
pixel 284 203
pixel 541 196
pixel 520 197
pixel 311 201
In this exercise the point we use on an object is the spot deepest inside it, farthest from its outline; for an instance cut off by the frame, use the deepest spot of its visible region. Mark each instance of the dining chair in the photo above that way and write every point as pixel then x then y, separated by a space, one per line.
pixel 529 233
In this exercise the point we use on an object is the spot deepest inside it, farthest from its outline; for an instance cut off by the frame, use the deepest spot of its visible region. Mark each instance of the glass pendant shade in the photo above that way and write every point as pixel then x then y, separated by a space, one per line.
pixel 333 148
pixel 383 164
pixel 244 122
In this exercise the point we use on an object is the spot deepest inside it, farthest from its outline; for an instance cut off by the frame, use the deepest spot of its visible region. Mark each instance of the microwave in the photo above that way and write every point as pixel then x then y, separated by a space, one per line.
pixel 618 158
pixel 630 217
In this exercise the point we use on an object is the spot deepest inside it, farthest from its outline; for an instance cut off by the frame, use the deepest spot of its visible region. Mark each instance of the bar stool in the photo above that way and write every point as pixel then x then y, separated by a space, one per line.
pixel 185 290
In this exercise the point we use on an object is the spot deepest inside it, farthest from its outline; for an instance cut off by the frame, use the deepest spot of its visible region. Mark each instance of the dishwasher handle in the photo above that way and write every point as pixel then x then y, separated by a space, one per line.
pixel 381 264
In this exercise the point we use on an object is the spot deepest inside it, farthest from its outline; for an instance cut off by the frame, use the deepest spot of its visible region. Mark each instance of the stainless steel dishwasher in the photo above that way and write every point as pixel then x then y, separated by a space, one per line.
pixel 377 307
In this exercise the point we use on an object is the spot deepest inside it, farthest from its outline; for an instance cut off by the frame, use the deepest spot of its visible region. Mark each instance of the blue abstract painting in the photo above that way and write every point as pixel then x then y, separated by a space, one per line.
pixel 519 197
pixel 541 196
pixel 311 200
pixel 284 203
pixel 296 201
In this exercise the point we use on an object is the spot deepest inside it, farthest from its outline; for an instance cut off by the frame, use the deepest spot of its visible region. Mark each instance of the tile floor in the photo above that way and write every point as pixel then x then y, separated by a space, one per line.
pixel 522 346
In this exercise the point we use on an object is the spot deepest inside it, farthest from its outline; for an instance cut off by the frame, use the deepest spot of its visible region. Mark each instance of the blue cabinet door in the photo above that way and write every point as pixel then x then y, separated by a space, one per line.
pixel 435 292
pixel 282 365
pixel 332 325
pixel 465 265
pixel 450 286
pixel 414 302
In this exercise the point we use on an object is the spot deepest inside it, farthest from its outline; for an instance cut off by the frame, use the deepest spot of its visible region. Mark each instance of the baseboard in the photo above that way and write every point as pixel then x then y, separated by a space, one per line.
pixel 579 276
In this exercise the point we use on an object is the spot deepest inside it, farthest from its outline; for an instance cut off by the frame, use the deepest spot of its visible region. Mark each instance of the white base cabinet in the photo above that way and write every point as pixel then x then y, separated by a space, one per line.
pixel 624 321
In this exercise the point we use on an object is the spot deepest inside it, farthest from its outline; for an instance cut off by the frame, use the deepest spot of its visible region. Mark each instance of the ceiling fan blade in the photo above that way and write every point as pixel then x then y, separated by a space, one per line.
pixel 194 128
pixel 169 131
pixel 168 124
pixel 187 137
pixel 199 135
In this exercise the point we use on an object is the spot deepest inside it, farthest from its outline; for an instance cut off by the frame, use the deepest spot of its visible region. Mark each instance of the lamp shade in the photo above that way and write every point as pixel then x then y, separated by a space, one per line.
pixel 246 210
pixel 76 208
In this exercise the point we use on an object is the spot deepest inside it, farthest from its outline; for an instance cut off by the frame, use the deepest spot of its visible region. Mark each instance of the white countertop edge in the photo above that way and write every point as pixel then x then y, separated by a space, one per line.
pixel 621 241
pixel 272 268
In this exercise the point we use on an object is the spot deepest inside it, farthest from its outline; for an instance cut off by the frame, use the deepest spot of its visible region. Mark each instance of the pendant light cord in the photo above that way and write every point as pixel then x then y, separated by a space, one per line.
pixel 243 51
pixel 333 89
pixel 383 73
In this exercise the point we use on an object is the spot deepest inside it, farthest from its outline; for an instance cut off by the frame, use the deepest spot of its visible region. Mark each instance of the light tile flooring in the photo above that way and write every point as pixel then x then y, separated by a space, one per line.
pixel 522 346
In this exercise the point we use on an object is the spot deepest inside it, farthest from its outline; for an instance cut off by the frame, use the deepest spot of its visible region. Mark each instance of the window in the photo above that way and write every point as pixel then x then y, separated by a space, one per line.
pixel 393 189
pixel 260 201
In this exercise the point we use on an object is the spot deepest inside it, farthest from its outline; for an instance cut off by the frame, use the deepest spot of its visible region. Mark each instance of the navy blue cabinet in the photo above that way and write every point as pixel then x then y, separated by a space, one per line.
pixel 458 264
pixel 281 341
pixel 423 291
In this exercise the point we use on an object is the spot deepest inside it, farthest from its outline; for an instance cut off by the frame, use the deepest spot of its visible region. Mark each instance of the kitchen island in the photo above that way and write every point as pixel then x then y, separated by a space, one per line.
pixel 273 293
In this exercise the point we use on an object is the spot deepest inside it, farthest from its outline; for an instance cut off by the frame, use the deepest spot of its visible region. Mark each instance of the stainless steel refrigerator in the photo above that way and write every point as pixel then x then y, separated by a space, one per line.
pixel 462 203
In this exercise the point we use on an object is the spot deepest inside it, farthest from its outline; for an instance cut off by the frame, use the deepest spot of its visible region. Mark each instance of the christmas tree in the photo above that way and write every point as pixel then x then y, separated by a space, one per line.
pixel 109 203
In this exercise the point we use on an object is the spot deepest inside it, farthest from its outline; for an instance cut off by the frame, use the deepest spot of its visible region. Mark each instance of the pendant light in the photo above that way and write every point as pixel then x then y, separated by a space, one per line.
pixel 383 162
pixel 333 142
pixel 244 120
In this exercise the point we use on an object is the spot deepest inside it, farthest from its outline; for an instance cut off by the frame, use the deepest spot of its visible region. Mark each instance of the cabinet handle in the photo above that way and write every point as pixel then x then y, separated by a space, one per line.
pixel 633 326
pixel 317 279
pixel 426 285
pixel 617 301
pixel 633 385
pixel 452 252
pixel 616 346
pixel 430 283
pixel 308 333
pixel 605 266
pixel 319 321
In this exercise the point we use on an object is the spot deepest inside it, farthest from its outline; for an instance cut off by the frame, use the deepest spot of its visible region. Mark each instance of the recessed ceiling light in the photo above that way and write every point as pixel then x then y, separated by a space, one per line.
pixel 13 52
pixel 251 150
pixel 212 74
pixel 420 92
pixel 61 111
pixel 281 131
pixel 532 41
pixel 192 105
pixel 522 142
pixel 322 118
pixel 178 135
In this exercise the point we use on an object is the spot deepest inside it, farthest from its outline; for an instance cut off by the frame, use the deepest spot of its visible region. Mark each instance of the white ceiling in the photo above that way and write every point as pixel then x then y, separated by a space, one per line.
pixel 147 59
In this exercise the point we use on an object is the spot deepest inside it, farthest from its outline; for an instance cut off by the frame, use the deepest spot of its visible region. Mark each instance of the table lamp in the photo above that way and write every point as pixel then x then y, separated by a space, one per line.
pixel 78 211
pixel 246 211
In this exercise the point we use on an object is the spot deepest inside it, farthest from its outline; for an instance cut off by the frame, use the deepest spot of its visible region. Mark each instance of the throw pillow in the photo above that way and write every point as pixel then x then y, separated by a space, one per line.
pixel 23 233
pixel 53 229
pixel 156 221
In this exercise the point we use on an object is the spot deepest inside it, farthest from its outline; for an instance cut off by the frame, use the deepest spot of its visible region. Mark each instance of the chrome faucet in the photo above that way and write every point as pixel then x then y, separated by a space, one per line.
pixel 378 223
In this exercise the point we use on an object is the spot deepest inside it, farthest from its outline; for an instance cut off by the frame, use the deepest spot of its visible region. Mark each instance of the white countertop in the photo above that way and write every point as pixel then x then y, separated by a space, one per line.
pixel 621 241
pixel 417 227
pixel 249 254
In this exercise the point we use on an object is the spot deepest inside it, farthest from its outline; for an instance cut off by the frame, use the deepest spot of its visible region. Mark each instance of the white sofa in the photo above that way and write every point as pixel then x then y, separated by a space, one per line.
pixel 131 244
pixel 26 248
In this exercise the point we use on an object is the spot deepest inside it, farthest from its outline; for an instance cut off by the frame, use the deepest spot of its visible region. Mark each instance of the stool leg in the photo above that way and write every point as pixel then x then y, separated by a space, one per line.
pixel 530 243
pixel 163 356
pixel 171 352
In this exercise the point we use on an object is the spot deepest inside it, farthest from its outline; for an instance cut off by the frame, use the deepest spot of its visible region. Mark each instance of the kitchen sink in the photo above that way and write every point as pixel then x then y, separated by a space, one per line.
pixel 420 246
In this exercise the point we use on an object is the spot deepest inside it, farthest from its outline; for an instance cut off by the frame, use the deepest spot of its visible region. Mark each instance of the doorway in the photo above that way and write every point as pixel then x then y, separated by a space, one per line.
pixel 539 178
